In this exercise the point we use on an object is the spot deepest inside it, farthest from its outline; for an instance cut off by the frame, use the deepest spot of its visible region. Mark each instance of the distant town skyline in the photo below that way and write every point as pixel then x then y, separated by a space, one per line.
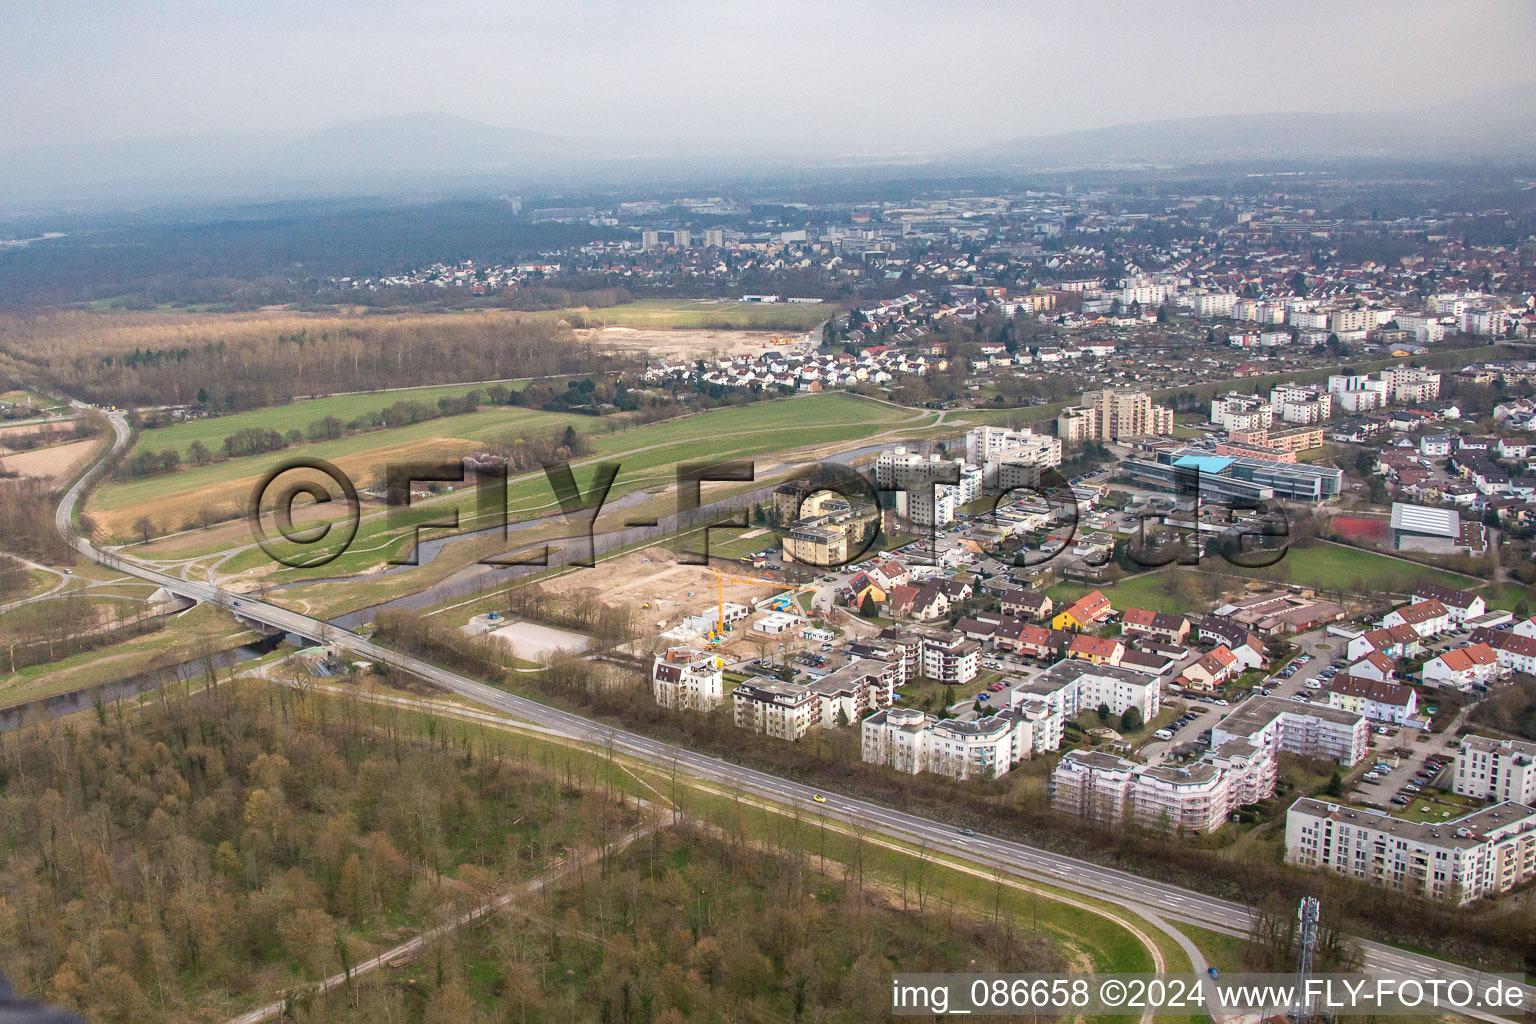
pixel 850 78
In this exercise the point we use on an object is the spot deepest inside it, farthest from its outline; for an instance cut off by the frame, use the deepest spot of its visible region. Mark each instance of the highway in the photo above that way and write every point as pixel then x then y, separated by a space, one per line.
pixel 1017 859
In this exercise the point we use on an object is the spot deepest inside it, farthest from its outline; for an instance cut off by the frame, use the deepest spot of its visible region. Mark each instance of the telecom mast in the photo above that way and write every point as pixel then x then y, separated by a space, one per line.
pixel 1308 914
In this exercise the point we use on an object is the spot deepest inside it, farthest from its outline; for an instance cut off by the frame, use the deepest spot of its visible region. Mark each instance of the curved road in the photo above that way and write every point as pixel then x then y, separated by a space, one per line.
pixel 1167 901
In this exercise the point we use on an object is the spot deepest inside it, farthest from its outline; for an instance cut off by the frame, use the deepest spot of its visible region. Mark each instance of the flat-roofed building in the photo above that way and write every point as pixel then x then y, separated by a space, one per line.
pixel 1241 412
pixel 1480 854
pixel 985 747
pixel 1492 769
pixel 1197 797
pixel 786 711
pixel 1073 687
pixel 1310 730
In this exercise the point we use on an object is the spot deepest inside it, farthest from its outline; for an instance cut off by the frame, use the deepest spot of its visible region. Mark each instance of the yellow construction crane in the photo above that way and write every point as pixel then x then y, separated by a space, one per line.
pixel 721 579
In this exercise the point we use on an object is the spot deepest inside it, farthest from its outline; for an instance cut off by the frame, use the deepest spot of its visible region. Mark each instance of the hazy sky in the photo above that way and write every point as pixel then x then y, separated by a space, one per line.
pixel 854 76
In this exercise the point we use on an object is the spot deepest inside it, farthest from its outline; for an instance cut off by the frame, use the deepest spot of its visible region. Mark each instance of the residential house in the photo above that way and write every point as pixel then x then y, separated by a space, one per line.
pixel 1428 617
pixel 1087 612
pixel 1460 604
pixel 1099 651
pixel 1463 668
pixel 1378 700
pixel 1374 666
pixel 1213 669
pixel 1157 625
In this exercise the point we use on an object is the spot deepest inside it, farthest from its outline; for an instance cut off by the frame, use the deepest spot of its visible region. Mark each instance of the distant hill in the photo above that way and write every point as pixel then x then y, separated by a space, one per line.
pixel 1499 124
pixel 436 150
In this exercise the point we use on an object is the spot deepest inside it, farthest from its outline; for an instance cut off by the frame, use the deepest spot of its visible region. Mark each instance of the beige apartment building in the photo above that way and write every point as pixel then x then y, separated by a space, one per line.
pixel 1113 414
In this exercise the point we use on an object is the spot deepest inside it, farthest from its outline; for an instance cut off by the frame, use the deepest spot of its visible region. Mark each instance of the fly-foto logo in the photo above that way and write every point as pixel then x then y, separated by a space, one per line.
pixel 306 513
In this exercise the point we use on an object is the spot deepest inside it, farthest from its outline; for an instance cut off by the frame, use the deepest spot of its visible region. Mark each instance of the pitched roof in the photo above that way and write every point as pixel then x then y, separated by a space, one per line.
pixel 1448 596
pixel 1372 689
pixel 1220 658
pixel 1421 611
pixel 1093 646
pixel 1090 606
pixel 1464 658
pixel 1382 663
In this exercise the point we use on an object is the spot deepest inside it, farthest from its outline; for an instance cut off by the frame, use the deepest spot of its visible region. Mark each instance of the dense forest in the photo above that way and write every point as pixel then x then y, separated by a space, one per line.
pixel 195 856
pixel 227 366
pixel 696 925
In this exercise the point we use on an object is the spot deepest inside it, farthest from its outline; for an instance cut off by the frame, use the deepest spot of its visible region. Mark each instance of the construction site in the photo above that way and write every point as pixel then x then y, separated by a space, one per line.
pixel 689 603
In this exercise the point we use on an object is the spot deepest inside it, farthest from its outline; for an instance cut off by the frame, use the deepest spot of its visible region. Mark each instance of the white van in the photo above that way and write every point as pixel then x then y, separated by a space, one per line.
pixel 1163 734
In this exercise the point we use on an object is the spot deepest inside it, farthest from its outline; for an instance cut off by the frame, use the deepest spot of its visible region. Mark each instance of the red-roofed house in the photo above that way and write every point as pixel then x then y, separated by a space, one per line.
pixel 1393 641
pixel 1374 666
pixel 1464 668
pixel 1213 669
pixel 1158 625
pixel 1089 610
pixel 1033 641
pixel 1097 650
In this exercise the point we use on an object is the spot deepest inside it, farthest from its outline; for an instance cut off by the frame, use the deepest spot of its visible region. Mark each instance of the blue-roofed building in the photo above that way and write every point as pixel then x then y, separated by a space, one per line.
pixel 1234 478
pixel 1212 464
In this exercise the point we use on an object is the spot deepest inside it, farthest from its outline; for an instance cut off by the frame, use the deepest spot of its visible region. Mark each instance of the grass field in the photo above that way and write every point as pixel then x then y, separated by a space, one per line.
pixel 176 498
pixel 1181 590
pixel 298 415
pixel 647 454
pixel 1223 952
pixel 1508 595
pixel 1333 567
pixel 200 629
pixel 709 313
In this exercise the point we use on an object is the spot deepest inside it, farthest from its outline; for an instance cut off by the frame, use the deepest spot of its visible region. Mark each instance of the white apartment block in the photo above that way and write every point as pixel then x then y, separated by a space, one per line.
pixel 1295 728
pixel 912 742
pixel 1301 403
pixel 1241 412
pixel 1309 319
pixel 1341 321
pixel 1113 414
pixel 1409 385
pixel 1073 686
pixel 1213 304
pixel 1357 393
pixel 1144 292
pixel 786 711
pixel 1019 451
pixel 924 494
pixel 1426 329
pixel 1490 769
pixel 687 679
pixel 1480 854
pixel 1197 797
pixel 1485 322
pixel 790 710
pixel 951 659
